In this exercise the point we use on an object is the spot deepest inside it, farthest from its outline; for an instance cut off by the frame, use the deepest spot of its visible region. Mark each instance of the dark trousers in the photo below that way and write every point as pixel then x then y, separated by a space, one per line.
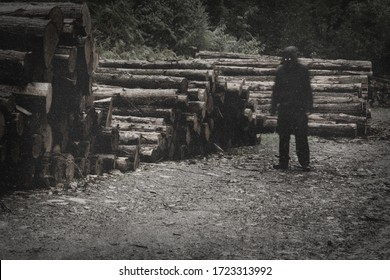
pixel 293 124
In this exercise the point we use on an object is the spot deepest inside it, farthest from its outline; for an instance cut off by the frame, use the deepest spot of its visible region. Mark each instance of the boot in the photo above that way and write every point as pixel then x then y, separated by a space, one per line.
pixel 281 166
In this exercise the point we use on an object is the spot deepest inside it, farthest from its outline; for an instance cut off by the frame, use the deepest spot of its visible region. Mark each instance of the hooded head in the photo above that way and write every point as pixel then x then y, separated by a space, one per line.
pixel 290 56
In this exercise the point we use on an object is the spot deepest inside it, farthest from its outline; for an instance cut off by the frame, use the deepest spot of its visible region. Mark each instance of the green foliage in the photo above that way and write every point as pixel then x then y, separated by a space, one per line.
pixel 172 24
pixel 220 40
pixel 157 29
pixel 352 29
pixel 115 27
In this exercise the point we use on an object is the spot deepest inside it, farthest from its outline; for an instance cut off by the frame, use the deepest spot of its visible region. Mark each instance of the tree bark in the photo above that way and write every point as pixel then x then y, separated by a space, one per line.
pixel 108 140
pixel 150 153
pixel 124 97
pixel 65 60
pixel 143 64
pixel 128 163
pixel 17 9
pixel 143 81
pixel 7 101
pixel 144 120
pixel 190 74
pixel 129 126
pixel 106 106
pixel 79 12
pixel 197 94
pixel 24 34
pixel 147 111
pixel 35 97
pixel 16 68
pixel 197 107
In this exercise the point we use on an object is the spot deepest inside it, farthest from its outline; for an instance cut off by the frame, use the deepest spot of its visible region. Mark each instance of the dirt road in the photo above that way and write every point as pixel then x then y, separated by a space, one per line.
pixel 231 205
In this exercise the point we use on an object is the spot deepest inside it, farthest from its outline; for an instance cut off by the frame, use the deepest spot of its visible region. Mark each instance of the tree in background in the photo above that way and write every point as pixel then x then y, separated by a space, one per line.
pixel 350 29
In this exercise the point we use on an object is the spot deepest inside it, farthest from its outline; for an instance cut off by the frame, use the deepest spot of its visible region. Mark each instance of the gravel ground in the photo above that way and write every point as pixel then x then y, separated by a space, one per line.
pixel 229 205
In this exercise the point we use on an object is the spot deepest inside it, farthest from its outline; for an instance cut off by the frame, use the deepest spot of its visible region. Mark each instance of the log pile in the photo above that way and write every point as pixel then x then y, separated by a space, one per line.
pixel 63 116
pixel 340 90
pixel 167 103
pixel 51 130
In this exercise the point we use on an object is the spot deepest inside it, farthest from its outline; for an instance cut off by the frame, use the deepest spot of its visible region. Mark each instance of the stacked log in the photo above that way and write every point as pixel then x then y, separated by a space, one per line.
pixel 178 91
pixel 50 129
pixel 340 90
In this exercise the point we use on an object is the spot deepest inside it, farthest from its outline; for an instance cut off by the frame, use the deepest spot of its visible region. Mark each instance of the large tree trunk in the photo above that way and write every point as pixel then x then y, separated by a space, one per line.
pixel 25 34
pixel 65 61
pixel 79 12
pixel 16 68
pixel 18 9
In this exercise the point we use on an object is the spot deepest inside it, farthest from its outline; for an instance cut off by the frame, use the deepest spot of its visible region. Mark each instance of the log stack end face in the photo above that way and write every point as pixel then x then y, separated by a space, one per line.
pixel 50 42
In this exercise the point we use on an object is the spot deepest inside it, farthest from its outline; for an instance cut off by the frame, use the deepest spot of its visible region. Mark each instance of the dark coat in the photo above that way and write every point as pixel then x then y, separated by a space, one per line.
pixel 292 94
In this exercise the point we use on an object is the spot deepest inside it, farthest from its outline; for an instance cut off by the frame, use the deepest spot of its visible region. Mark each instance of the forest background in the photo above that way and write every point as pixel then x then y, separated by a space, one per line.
pixel 164 29
pixel 158 29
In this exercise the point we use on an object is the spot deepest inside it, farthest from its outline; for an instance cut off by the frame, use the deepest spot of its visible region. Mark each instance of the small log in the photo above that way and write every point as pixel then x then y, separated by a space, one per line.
pixel 129 138
pixel 190 74
pixel 143 64
pixel 143 81
pixel 106 106
pixel 108 162
pixel 108 140
pixel 334 130
pixel 81 149
pixel 17 123
pixel 126 164
pixel 197 107
pixel 252 104
pixel 245 71
pixel 355 109
pixel 7 101
pixel 141 127
pixel 77 11
pixel 47 138
pixel 35 97
pixel 16 68
pixel 145 120
pixel 165 98
pixel 64 60
pixel 150 153
pixel 147 111
pixel 200 84
pixel 193 122
pixel 141 138
pixel 82 167
pixel 206 132
pixel 96 165
pixel 197 94
pixel 212 54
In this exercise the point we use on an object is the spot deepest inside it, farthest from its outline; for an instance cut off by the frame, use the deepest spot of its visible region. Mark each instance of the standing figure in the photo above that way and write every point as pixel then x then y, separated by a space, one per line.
pixel 292 98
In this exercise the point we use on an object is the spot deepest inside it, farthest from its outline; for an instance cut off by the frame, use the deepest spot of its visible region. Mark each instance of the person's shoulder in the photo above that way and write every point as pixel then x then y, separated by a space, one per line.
pixel 280 68
pixel 303 68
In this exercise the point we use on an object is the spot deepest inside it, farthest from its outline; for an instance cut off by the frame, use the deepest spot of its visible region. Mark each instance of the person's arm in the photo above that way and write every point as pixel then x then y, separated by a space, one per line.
pixel 275 95
pixel 308 94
